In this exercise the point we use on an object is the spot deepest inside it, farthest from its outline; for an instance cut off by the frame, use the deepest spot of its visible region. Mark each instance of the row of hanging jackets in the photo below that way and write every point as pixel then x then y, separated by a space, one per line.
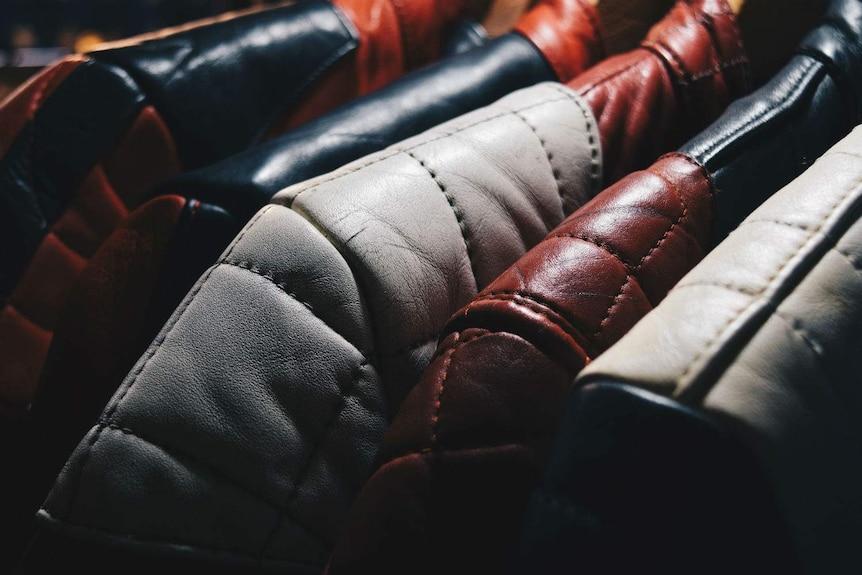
pixel 351 287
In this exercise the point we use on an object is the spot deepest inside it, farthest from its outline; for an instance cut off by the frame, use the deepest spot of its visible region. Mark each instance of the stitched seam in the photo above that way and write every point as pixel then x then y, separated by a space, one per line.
pixel 303 474
pixel 631 277
pixel 540 307
pixel 459 216
pixel 589 126
pixel 780 268
pixel 794 225
pixel 683 215
pixel 133 538
pixel 267 275
pixel 426 453
pixel 394 151
pixel 156 345
pixel 724 285
pixel 595 176
pixel 435 419
pixel 554 171
pixel 598 243
pixel 174 452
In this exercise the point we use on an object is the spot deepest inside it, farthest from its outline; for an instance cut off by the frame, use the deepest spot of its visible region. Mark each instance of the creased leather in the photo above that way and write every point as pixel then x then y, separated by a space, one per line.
pixel 764 335
pixel 476 414
pixel 315 291
pixel 567 53
pixel 681 78
pixel 813 102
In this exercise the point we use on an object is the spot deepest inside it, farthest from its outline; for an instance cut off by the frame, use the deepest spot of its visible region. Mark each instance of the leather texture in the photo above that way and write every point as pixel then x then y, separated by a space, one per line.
pixel 632 470
pixel 419 101
pixel 476 415
pixel 813 102
pixel 268 391
pixel 702 31
pixel 241 185
pixel 679 80
pixel 763 335
pixel 129 115
pixel 255 80
pixel 567 54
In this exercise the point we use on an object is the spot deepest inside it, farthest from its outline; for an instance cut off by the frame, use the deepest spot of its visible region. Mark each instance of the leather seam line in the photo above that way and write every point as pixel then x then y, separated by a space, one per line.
pixel 755 300
pixel 592 136
pixel 447 363
pixel 459 216
pixel 143 540
pixel 270 277
pixel 302 476
pixel 599 244
pixel 631 277
pixel 541 307
pixel 555 172
pixel 394 151
pixel 112 407
pixel 174 453
pixel 747 291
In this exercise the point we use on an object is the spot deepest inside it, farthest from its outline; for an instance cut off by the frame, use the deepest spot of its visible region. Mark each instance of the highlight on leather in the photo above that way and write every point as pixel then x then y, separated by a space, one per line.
pixel 166 135
pixel 487 406
pixel 566 32
pixel 684 74
pixel 343 258
pixel 763 335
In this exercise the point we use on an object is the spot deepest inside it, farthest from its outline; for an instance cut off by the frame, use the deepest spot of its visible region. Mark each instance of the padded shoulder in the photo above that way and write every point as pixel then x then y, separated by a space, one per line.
pixel 404 108
pixel 260 63
pixel 764 333
pixel 250 423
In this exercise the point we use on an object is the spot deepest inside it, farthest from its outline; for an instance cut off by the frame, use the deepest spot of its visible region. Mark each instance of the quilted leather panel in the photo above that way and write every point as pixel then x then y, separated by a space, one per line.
pixel 681 78
pixel 490 399
pixel 765 335
pixel 277 417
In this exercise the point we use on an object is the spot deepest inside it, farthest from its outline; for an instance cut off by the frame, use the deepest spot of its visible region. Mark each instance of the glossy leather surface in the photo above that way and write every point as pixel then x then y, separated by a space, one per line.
pixel 269 390
pixel 813 102
pixel 156 95
pixel 764 336
pixel 489 402
pixel 681 78
pixel 417 102
pixel 244 183
pixel 219 87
